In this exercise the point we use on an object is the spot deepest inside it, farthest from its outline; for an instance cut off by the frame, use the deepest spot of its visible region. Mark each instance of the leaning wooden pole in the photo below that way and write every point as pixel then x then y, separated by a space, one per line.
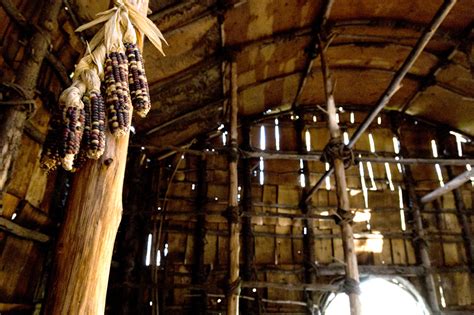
pixel 13 117
pixel 233 210
pixel 79 278
pixel 351 282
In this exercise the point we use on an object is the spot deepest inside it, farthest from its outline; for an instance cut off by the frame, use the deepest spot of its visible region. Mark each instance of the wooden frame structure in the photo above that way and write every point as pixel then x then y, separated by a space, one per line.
pixel 98 204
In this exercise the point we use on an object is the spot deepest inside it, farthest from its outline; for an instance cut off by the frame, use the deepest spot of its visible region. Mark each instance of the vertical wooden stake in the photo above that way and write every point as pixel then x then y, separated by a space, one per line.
pixel 419 240
pixel 248 240
pixel 199 303
pixel 463 219
pixel 308 238
pixel 84 250
pixel 350 258
pixel 234 226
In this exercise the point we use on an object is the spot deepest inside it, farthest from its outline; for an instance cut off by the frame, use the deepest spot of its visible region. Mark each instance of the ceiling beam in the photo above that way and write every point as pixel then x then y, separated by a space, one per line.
pixel 430 78
pixel 319 26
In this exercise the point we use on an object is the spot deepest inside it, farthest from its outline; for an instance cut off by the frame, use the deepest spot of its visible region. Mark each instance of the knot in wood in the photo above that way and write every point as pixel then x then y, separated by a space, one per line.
pixel 108 161
pixel 336 149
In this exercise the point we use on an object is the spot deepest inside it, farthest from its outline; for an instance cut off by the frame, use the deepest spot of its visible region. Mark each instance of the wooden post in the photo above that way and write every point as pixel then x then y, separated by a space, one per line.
pixel 447 151
pixel 350 258
pixel 308 239
pixel 130 245
pixel 463 222
pixel 199 276
pixel 13 117
pixel 248 241
pixel 233 214
pixel 419 239
pixel 86 240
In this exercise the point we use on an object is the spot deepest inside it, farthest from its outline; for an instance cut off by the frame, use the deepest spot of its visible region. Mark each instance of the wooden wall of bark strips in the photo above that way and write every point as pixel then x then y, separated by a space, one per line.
pixel 34 201
pixel 278 241
pixel 31 207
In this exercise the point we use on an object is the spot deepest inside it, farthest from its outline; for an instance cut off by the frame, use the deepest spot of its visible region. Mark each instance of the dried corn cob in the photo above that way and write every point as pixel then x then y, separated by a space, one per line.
pixel 117 93
pixel 50 157
pixel 96 138
pixel 86 135
pixel 137 80
pixel 73 120
pixel 79 159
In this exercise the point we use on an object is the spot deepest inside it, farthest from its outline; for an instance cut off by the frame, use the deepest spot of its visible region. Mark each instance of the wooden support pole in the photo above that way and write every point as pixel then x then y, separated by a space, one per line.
pixel 447 150
pixel 395 84
pixel 199 273
pixel 131 241
pixel 13 118
pixel 420 239
pixel 309 256
pixel 463 222
pixel 84 250
pixel 454 183
pixel 350 258
pixel 248 241
pixel 234 226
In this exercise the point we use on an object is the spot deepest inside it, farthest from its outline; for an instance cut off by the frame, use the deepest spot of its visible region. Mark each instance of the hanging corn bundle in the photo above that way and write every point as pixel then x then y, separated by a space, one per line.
pixel 78 132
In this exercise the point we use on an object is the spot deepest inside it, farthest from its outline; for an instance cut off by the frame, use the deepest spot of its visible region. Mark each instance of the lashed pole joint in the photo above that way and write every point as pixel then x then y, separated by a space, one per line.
pixel 351 283
pixel 395 84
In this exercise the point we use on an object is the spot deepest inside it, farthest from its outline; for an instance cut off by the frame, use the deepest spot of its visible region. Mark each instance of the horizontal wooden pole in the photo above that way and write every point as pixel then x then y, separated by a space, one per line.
pixel 452 184
pixel 338 270
pixel 17 230
pixel 291 287
pixel 315 156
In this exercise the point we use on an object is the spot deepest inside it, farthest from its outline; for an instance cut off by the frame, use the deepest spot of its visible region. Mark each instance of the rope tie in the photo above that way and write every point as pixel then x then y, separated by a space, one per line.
pixel 350 286
pixel 420 241
pixel 232 214
pixel 343 216
pixel 8 89
pixel 234 287
pixel 233 151
pixel 336 149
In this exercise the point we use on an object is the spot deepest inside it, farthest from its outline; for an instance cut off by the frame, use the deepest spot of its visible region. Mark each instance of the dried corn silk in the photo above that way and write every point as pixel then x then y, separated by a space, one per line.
pixel 137 80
